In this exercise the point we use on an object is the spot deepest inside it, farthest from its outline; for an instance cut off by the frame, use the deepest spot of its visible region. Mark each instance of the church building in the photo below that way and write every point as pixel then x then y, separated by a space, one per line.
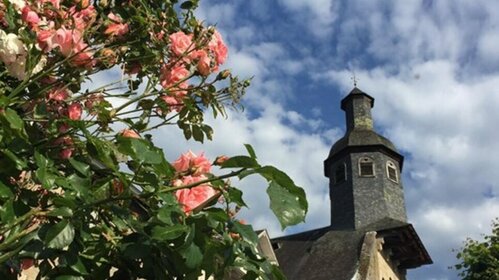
pixel 369 237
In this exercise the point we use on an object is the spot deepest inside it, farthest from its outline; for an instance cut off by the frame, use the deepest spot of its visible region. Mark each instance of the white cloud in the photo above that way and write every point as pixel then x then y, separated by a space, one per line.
pixel 318 15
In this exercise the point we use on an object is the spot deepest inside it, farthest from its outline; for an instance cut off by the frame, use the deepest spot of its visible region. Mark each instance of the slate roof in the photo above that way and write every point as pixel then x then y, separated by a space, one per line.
pixel 334 254
pixel 355 93
pixel 361 137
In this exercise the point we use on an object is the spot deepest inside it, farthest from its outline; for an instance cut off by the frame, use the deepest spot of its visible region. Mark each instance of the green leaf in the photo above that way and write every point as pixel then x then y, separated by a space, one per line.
pixel 197 134
pixel 60 235
pixel 140 150
pixel 236 196
pixel 250 150
pixel 103 152
pixel 5 191
pixel 288 203
pixel 187 5
pixel 14 120
pixel 169 232
pixel 81 167
pixel 69 277
pixel 208 131
pixel 246 231
pixel 79 184
pixel 137 250
pixel 240 161
pixel 43 174
pixel 61 212
pixel 20 163
pixel 193 256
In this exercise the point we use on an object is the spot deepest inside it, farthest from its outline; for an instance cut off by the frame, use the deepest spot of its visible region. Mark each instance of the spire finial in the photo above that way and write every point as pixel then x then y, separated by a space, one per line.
pixel 354 79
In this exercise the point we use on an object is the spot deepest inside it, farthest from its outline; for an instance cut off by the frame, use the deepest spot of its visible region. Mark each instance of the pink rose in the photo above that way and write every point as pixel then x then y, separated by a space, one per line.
pixel 67 146
pixel 218 47
pixel 128 133
pixel 44 39
pixel 81 19
pixel 66 153
pixel 192 198
pixel 30 17
pixel 174 103
pixel 83 59
pixel 116 27
pixel 180 43
pixel 93 100
pixel 55 3
pixel 190 162
pixel 58 94
pixel 67 40
pixel 74 111
pixel 203 62
pixel 173 74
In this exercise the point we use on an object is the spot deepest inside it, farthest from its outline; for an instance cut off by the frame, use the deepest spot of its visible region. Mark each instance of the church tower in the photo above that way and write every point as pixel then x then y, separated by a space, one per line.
pixel 363 169
pixel 369 237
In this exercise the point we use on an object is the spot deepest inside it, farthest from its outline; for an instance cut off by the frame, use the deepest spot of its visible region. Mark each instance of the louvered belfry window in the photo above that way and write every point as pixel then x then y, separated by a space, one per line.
pixel 366 167
pixel 391 170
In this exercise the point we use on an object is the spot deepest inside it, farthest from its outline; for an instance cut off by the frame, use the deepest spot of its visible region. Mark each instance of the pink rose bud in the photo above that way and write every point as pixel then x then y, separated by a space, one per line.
pixel 220 160
pixel 128 133
pixel 118 187
pixel 66 153
pixel 63 128
pixel 74 111
pixel 27 263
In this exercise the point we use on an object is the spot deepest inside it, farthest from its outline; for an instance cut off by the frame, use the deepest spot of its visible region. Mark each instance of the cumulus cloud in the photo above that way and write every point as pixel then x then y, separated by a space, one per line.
pixel 430 65
pixel 318 15
pixel 444 124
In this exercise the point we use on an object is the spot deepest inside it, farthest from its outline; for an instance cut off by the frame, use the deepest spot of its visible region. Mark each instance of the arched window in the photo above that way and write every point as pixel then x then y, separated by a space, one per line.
pixel 391 171
pixel 340 173
pixel 366 167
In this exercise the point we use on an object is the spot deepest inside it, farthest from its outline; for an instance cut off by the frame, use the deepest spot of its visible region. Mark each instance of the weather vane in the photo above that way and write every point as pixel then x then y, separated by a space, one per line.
pixel 354 79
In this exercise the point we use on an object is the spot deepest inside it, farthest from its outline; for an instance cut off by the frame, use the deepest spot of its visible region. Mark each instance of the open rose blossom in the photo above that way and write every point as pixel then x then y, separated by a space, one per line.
pixel 190 162
pixel 217 46
pixel 116 27
pixel 171 75
pixel 180 43
pixel 203 62
pixel 191 198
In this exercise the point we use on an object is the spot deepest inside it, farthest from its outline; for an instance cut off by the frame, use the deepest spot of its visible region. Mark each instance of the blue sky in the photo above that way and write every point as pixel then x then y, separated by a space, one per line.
pixel 432 67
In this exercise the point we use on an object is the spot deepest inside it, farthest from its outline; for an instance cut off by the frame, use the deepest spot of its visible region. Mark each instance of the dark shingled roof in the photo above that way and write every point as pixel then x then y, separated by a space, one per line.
pixel 355 93
pixel 361 137
pixel 361 140
pixel 326 254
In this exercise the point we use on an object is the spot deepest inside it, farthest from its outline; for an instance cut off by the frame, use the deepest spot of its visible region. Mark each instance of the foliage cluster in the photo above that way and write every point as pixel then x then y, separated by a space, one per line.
pixel 84 191
pixel 479 260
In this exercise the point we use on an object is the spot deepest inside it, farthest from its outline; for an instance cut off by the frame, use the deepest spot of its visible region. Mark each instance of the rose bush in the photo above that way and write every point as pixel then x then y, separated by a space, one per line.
pixel 84 191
